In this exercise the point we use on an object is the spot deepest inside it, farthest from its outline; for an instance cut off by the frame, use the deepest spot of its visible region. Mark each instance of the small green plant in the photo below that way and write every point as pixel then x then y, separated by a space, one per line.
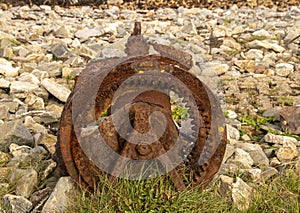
pixel 257 37
pixel 232 52
pixel 227 21
pixel 14 41
pixel 179 113
pixel 257 121
pixel 285 100
pixel 226 113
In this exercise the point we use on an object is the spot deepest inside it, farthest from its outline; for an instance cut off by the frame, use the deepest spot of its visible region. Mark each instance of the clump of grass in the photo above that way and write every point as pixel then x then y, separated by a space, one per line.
pixel 285 100
pixel 257 37
pixel 257 121
pixel 280 194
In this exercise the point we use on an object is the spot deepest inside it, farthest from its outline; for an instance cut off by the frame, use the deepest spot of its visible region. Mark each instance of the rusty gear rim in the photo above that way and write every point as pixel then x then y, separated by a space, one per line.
pixel 76 158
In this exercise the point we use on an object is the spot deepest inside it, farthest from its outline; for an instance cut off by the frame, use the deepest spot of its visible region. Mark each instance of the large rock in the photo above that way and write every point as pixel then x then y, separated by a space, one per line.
pixel 62 194
pixel 279 139
pixel 237 191
pixel 7 69
pixel 284 69
pixel 256 153
pixel 287 152
pixel 14 132
pixel 15 204
pixel 3 111
pixel 22 87
pixel 267 44
pixel 59 91
pixel 25 179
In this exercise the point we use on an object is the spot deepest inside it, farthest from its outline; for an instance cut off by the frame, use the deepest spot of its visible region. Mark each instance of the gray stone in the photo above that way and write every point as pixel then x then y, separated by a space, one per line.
pixel 54 69
pixel 213 68
pixel 33 126
pixel 253 174
pixel 292 32
pixel 29 77
pixel 225 187
pixel 63 193
pixel 256 153
pixel 62 32
pixel 59 91
pixel 34 102
pixel 32 158
pixel 231 114
pixel 87 33
pixel 3 111
pixel 241 194
pixel 229 151
pixel 228 169
pixel 267 44
pixel 39 198
pixel 245 137
pixel 268 172
pixel 7 69
pixel 287 152
pixel 49 141
pixel 16 150
pixel 42 93
pixel 7 52
pixel 232 133
pixel 22 87
pixel 114 2
pixel 243 157
pixel 255 54
pixel 237 191
pixel 112 52
pixel 60 51
pixel 25 180
pixel 4 84
pixel 279 139
pixel 284 69
pixel 14 132
pixel 16 204
pixel 87 52
pixel 272 112
pixel 261 32
pixel 290 119
pixel 230 44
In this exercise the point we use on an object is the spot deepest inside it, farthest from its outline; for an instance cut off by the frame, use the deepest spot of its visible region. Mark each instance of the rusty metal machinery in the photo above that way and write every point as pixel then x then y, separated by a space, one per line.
pixel 118 119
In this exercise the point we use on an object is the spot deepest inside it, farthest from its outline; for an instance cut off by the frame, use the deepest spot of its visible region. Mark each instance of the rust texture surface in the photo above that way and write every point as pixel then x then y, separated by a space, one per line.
pixel 119 118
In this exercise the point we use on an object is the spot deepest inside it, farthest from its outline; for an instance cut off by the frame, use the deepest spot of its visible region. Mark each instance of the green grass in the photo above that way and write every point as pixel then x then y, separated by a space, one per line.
pixel 257 121
pixel 179 113
pixel 280 194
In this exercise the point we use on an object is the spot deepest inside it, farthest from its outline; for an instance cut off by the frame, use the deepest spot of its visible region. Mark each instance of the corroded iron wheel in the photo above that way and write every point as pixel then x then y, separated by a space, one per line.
pixel 137 131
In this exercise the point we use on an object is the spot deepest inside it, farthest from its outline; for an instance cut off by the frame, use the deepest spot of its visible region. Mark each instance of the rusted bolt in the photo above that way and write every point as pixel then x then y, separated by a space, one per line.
pixel 138 129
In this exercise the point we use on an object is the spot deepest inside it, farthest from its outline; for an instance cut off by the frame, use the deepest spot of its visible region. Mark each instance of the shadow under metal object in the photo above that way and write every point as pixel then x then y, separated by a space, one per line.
pixel 138 129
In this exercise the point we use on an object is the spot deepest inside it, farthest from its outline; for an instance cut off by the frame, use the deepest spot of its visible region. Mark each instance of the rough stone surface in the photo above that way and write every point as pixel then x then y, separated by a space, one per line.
pixel 16 204
pixel 256 153
pixel 25 180
pixel 62 194
pixel 60 92
pixel 279 139
pixel 241 194
pixel 287 152
pixel 14 132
